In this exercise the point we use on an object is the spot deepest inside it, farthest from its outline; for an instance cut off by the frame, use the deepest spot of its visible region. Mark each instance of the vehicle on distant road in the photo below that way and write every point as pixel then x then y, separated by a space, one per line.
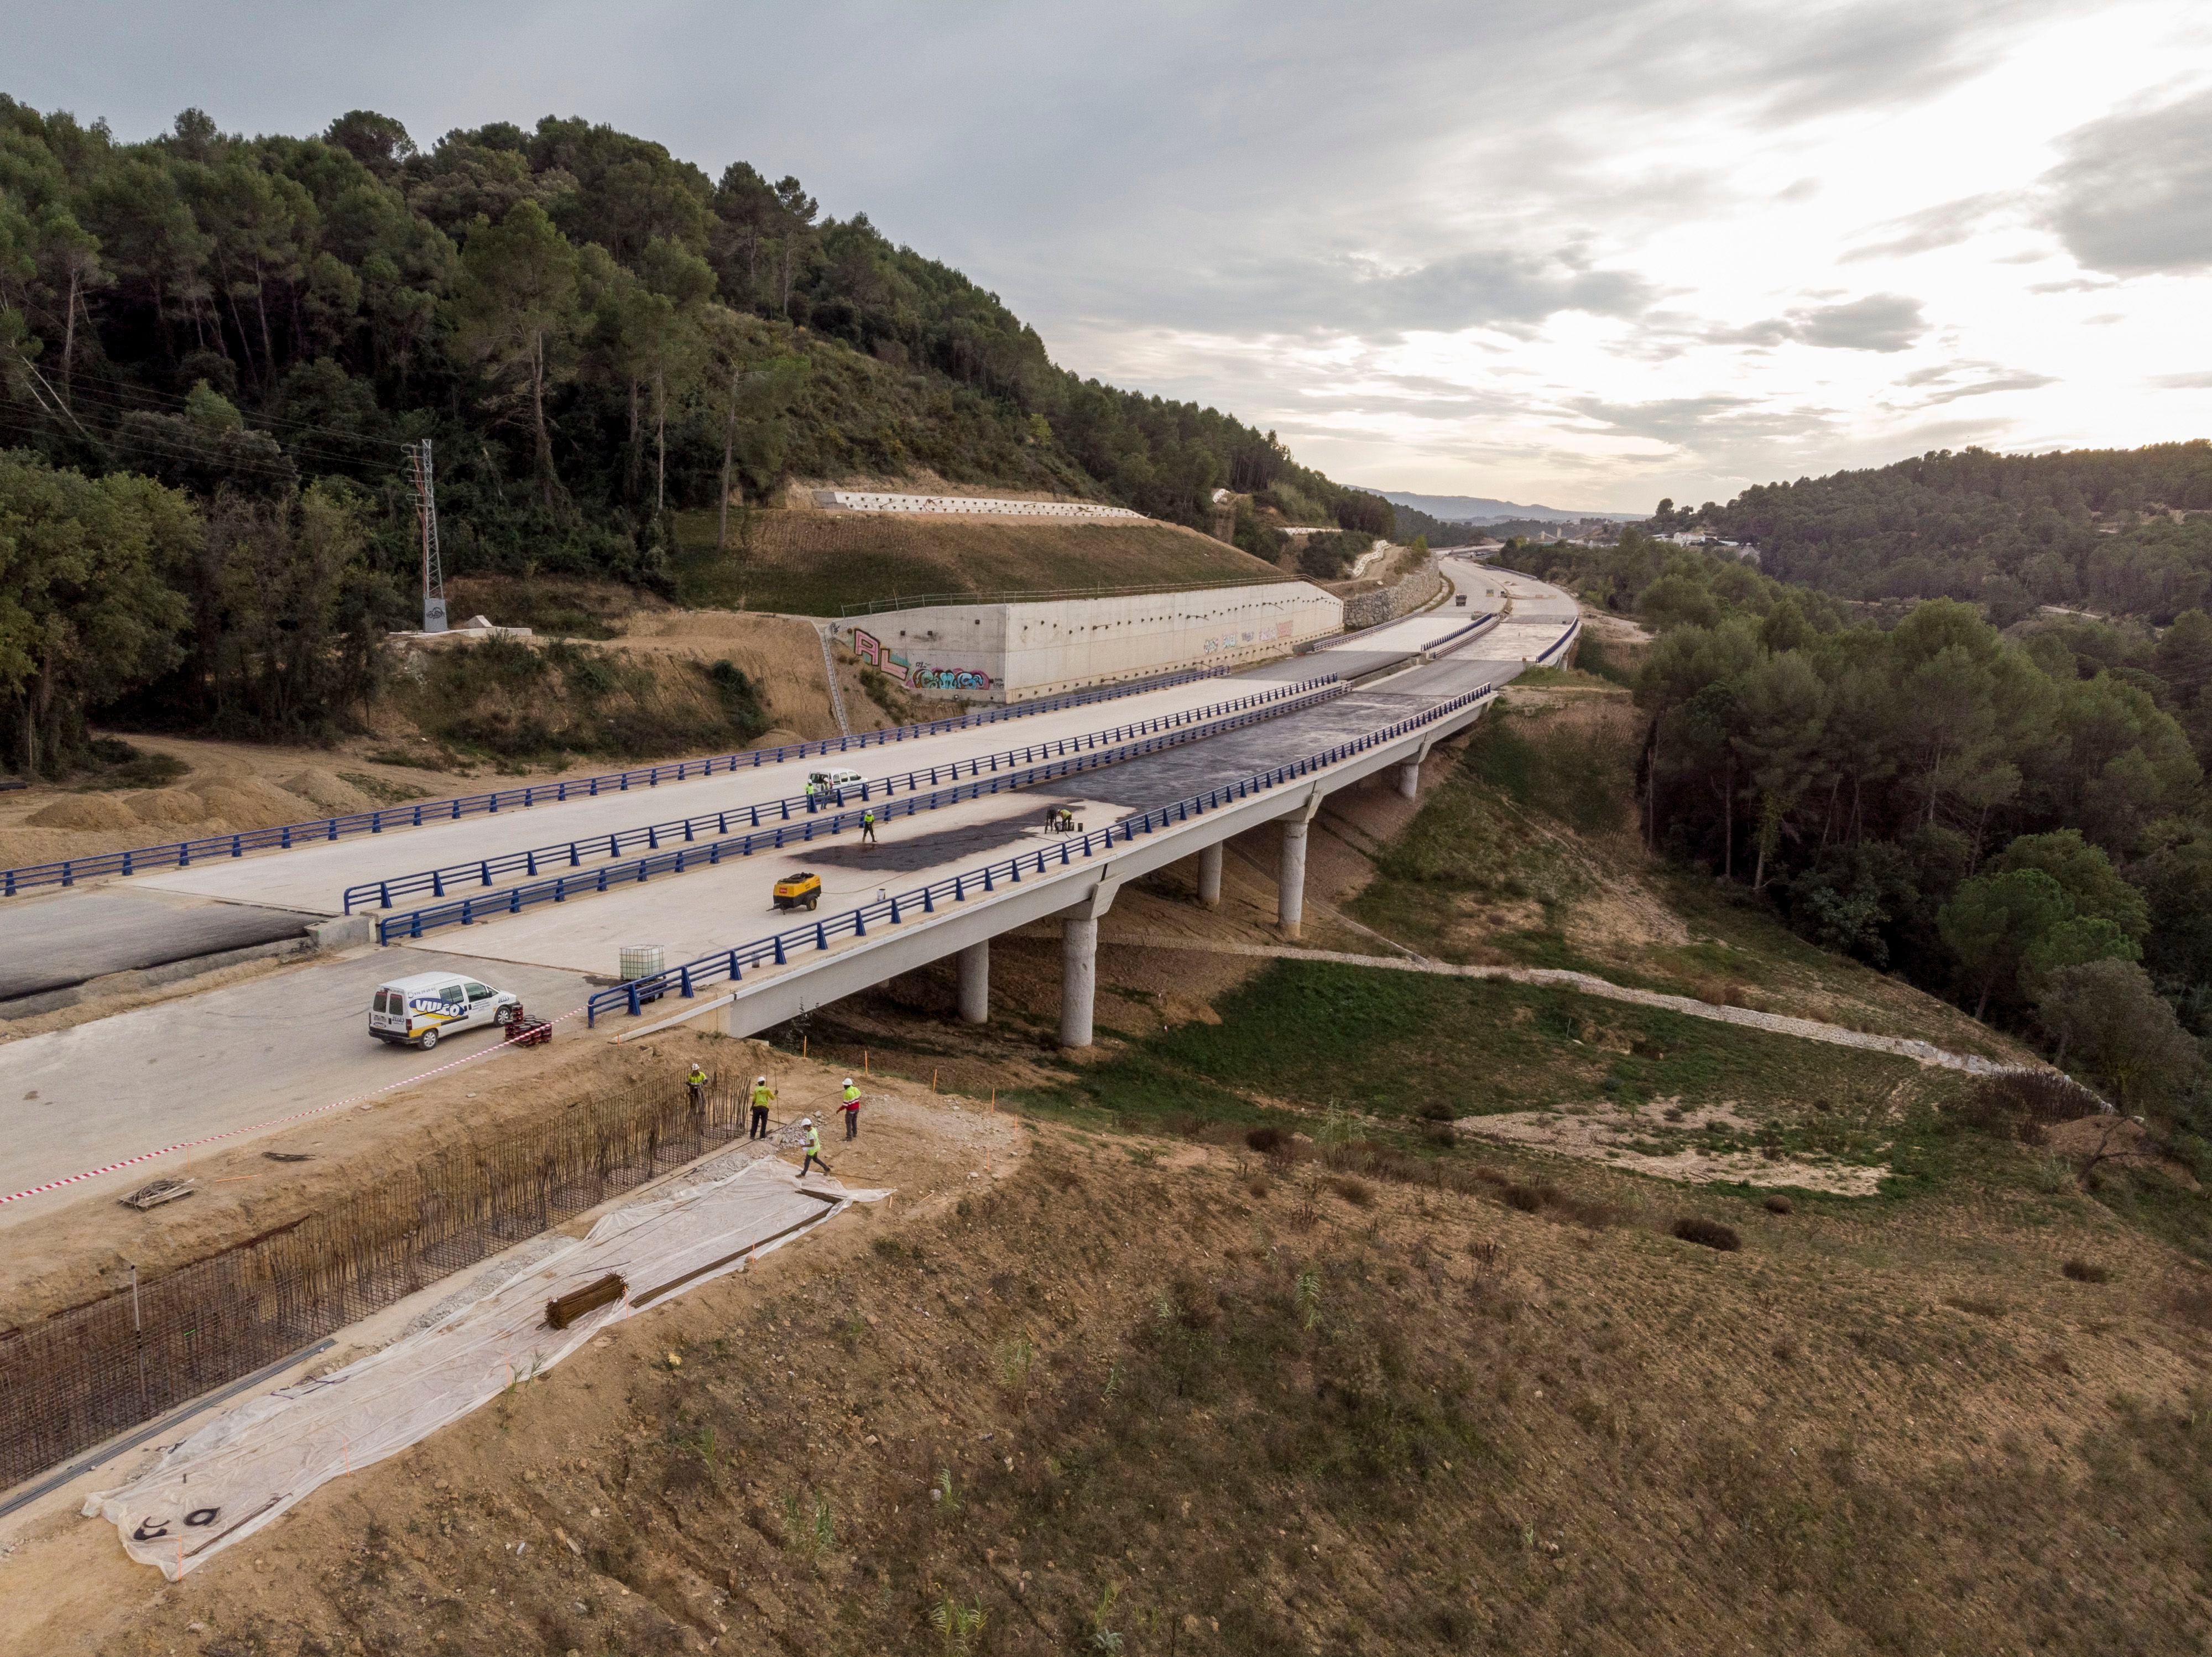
pixel 832 785
pixel 417 1012
pixel 801 891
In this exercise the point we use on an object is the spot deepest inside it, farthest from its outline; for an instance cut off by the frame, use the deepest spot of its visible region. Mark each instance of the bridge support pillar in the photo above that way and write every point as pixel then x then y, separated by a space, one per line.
pixel 976 983
pixel 1291 873
pixel 1209 876
pixel 1078 980
pixel 1290 878
pixel 1079 963
pixel 1409 773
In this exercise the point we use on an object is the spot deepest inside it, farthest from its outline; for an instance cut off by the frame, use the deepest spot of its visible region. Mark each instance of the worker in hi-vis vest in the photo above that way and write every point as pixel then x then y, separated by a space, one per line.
pixel 867 827
pixel 761 1095
pixel 813 1157
pixel 695 1086
pixel 849 1102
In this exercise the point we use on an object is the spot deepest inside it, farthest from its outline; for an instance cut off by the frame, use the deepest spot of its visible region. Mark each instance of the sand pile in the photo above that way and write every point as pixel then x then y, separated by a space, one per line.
pixel 166 806
pixel 83 811
pixel 246 802
pixel 328 793
pixel 217 805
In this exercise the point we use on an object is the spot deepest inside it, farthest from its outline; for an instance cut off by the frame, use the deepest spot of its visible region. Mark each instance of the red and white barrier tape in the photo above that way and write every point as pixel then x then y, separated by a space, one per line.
pixel 273 1121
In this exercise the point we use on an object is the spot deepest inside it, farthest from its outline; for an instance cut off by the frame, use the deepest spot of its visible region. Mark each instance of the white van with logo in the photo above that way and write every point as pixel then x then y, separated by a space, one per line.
pixel 415 1012
pixel 831 785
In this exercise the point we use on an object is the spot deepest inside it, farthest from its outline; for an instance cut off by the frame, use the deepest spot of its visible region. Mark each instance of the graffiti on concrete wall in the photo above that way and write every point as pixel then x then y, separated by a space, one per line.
pixel 1245 637
pixel 949 679
pixel 916 675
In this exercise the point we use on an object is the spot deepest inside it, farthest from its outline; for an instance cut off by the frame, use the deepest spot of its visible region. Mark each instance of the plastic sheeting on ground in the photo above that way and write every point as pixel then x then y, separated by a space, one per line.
pixel 248 1466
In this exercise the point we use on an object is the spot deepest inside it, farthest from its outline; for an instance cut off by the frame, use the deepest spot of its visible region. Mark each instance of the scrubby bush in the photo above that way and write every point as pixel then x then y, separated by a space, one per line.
pixel 1709 1234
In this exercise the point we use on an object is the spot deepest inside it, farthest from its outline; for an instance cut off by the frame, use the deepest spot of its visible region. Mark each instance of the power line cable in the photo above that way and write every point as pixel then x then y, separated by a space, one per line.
pixel 182 445
pixel 179 446
pixel 180 400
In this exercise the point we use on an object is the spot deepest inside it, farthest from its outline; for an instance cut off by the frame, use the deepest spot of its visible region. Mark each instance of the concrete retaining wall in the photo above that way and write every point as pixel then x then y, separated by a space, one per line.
pixel 852 500
pixel 1389 603
pixel 1013 652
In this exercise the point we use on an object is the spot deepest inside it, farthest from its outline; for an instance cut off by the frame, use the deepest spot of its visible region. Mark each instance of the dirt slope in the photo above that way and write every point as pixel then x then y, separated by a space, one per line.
pixel 1213 1404
pixel 815 563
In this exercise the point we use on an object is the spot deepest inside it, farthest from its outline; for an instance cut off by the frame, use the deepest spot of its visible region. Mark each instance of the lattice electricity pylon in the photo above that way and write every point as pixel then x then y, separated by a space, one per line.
pixel 426 510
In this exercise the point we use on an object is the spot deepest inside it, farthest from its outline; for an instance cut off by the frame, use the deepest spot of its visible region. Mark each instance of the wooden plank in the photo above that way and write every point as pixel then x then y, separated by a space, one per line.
pixel 561 1312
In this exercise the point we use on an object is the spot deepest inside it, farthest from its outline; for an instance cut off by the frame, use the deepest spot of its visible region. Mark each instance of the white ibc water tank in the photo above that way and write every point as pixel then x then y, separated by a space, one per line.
pixel 642 961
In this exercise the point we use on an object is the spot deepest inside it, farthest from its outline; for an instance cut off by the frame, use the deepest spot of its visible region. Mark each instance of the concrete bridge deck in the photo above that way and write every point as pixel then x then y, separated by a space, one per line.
pixel 223 1059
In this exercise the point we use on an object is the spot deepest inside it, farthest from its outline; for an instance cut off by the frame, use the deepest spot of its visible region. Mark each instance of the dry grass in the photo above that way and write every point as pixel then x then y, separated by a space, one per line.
pixel 817 564
pixel 1158 1406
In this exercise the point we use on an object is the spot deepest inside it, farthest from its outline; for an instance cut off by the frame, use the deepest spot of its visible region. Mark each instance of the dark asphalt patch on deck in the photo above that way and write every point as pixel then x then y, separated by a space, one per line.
pixel 64 939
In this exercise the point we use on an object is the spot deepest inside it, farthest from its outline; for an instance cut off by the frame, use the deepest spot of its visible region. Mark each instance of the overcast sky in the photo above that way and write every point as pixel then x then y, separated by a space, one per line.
pixel 1587 252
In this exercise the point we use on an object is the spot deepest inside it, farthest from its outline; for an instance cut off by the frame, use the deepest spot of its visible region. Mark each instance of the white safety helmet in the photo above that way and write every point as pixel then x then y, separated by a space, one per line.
pixel 806 1121
pixel 758 1080
pixel 848 1081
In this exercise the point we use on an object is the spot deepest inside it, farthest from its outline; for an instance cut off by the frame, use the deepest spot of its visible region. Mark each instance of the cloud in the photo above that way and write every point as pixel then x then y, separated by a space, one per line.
pixel 2018 379
pixel 1879 322
pixel 1800 63
pixel 2133 195
pixel 1952 381
pixel 2198 381
pixel 1348 293
pixel 1944 225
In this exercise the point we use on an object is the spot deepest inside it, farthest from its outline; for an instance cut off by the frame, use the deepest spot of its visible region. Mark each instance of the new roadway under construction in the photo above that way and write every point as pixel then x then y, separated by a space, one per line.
pixel 1151 777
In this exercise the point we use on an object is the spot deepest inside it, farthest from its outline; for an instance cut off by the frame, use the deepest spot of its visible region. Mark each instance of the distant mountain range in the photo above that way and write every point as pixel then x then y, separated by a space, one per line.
pixel 1473 509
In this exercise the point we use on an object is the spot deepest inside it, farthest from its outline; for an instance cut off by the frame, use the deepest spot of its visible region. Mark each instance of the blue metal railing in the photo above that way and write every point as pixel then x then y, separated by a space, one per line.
pixel 805 828
pixel 777 949
pixel 1564 640
pixel 1460 635
pixel 483 871
pixel 182 854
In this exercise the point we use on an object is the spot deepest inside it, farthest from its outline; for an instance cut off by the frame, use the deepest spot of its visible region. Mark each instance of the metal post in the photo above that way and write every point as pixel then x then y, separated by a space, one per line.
pixel 426 513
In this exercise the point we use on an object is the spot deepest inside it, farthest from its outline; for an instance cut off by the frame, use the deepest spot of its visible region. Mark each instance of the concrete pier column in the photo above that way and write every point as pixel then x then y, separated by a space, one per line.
pixel 1409 779
pixel 1079 979
pixel 1290 880
pixel 976 983
pixel 1209 876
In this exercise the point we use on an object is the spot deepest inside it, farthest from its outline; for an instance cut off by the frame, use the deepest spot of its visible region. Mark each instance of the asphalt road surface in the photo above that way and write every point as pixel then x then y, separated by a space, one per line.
pixel 226 1058
pixel 64 938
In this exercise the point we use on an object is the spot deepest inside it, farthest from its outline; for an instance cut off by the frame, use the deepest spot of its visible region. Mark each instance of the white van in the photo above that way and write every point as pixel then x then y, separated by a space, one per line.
pixel 830 784
pixel 417 1011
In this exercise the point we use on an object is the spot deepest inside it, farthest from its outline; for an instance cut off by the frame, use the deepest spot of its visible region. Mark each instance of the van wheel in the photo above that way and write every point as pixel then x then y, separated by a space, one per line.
pixel 503 1017
pixel 429 1040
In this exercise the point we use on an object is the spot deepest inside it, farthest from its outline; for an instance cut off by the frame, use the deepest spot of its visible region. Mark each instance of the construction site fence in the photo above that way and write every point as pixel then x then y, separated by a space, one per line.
pixel 182 854
pixel 77 1378
pixel 484 871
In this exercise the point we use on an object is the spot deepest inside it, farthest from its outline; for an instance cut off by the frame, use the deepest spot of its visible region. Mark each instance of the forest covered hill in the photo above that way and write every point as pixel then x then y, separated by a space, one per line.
pixel 213 348
pixel 2118 532
pixel 2015 820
